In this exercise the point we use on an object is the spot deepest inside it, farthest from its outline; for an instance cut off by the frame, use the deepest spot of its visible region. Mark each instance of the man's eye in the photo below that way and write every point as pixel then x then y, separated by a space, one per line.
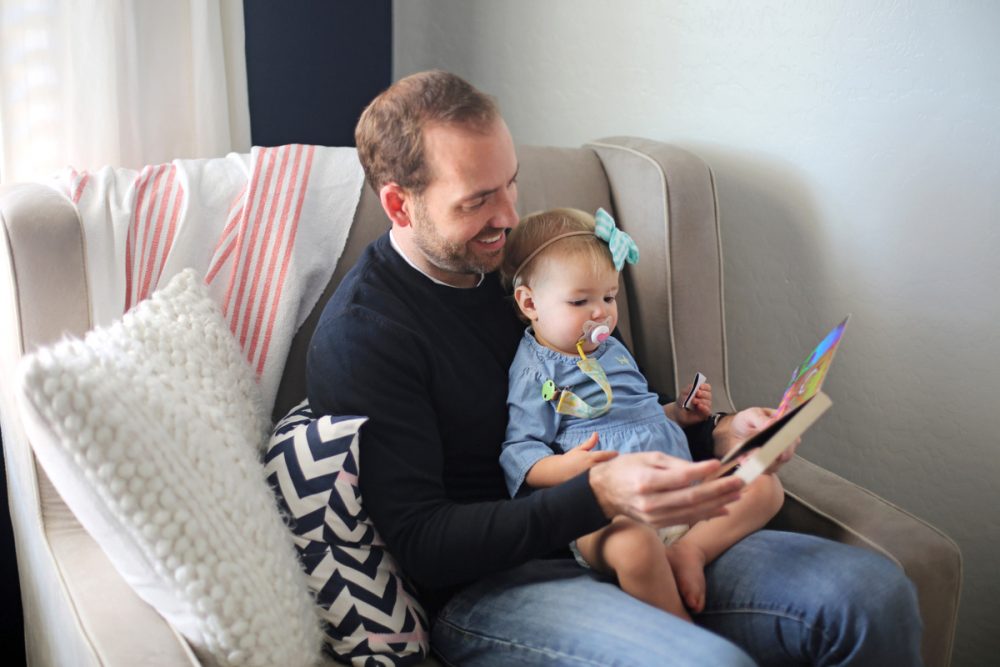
pixel 473 205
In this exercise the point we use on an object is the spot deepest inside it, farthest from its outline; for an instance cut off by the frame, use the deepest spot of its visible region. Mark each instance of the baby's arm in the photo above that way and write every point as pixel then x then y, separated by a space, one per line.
pixel 527 455
pixel 558 468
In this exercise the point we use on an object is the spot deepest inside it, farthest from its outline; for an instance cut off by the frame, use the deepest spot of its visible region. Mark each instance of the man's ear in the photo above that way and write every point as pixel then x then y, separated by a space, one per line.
pixel 526 302
pixel 396 202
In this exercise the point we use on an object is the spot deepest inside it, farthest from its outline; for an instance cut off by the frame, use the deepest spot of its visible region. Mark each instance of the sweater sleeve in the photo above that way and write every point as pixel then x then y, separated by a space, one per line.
pixel 362 364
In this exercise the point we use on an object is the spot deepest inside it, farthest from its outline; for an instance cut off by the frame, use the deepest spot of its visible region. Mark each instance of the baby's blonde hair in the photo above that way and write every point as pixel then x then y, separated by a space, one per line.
pixel 538 229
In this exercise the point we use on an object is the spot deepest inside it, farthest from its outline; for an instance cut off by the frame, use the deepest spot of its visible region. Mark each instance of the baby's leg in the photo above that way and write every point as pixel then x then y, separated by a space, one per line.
pixel 633 552
pixel 706 540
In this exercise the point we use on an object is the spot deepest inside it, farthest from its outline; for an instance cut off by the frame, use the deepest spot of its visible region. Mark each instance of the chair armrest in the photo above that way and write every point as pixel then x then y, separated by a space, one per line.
pixel 664 197
pixel 821 503
pixel 119 628
pixel 77 608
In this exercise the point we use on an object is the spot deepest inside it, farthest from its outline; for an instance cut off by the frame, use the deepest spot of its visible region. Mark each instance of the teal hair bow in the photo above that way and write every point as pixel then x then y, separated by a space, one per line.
pixel 623 248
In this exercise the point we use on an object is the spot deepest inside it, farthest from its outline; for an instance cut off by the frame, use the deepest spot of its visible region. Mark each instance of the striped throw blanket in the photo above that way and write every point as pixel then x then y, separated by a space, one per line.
pixel 265 230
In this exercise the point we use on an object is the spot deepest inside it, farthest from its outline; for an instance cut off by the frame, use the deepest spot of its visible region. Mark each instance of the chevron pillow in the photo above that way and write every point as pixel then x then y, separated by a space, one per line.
pixel 369 611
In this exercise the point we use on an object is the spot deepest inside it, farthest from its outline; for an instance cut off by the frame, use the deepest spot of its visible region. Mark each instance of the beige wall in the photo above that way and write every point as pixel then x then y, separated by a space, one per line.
pixel 857 151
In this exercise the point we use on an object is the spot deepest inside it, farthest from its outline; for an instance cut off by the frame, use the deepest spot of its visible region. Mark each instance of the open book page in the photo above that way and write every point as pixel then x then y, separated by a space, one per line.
pixel 756 455
pixel 808 377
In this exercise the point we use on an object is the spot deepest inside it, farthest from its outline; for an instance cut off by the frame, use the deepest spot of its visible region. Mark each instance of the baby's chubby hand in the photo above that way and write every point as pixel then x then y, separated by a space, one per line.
pixel 583 457
pixel 699 410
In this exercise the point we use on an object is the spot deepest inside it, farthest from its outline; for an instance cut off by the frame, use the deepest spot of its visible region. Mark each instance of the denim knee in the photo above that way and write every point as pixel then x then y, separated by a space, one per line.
pixel 463 647
pixel 789 598
pixel 557 613
pixel 882 619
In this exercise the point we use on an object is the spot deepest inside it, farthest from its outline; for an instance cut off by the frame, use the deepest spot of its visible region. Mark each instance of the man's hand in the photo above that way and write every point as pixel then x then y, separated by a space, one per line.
pixel 737 428
pixel 660 490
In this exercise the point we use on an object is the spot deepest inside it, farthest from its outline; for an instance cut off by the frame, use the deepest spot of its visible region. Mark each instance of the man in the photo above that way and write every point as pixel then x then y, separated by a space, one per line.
pixel 419 337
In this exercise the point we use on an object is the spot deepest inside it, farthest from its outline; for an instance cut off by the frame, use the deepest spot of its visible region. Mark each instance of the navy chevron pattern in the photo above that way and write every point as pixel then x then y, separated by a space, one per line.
pixel 369 610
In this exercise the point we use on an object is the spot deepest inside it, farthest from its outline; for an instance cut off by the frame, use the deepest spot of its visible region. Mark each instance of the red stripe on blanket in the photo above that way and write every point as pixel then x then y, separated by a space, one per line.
pixel 219 260
pixel 178 204
pixel 144 237
pixel 249 233
pixel 158 248
pixel 227 240
pixel 80 185
pixel 309 151
pixel 260 250
pixel 274 252
pixel 244 244
pixel 141 184
pixel 68 181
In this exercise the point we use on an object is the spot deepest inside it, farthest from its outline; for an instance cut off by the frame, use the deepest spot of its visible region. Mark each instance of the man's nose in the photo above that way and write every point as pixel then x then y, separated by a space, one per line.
pixel 506 216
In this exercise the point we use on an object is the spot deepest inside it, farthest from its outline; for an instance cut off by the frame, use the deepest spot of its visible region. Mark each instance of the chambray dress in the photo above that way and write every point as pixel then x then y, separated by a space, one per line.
pixel 635 422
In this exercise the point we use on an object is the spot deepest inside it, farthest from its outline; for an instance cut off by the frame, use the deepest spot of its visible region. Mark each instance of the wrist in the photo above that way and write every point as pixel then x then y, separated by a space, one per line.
pixel 596 477
pixel 721 435
pixel 717 417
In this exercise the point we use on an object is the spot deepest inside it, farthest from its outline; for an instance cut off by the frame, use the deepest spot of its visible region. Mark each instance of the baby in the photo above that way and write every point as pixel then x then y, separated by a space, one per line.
pixel 576 398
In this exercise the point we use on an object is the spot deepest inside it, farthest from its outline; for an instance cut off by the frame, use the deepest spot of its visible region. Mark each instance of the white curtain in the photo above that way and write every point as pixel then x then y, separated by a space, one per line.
pixel 85 83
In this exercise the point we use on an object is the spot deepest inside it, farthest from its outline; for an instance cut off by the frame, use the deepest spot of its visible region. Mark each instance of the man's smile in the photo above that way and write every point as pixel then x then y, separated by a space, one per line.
pixel 492 242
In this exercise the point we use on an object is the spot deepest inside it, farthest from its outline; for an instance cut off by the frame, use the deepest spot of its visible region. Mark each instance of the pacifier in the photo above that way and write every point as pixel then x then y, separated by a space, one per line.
pixel 596 332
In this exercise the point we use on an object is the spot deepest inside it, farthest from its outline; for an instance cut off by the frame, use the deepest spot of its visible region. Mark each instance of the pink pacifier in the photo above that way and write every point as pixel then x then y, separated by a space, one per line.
pixel 597 332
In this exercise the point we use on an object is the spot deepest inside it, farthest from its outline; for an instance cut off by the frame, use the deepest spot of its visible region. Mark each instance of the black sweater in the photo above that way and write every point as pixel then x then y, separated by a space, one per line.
pixel 428 365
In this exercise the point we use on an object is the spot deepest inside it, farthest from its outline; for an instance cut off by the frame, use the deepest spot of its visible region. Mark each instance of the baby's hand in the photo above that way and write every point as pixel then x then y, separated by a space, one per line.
pixel 699 410
pixel 583 457
pixel 553 470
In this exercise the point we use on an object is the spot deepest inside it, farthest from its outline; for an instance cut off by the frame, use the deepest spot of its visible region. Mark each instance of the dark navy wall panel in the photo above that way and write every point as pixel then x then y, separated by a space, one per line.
pixel 313 65
pixel 11 625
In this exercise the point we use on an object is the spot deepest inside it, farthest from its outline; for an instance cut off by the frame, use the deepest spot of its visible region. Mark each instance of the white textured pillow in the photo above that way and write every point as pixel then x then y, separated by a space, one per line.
pixel 151 430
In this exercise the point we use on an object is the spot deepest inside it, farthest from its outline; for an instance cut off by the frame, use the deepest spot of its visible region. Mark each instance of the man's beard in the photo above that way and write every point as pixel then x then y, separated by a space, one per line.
pixel 455 257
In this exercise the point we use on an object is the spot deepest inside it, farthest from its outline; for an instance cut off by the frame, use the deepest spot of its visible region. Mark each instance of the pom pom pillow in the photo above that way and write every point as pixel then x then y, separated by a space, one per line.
pixel 370 614
pixel 151 430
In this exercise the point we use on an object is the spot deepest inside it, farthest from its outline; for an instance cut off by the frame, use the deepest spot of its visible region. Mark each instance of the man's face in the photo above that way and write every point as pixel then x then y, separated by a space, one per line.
pixel 459 222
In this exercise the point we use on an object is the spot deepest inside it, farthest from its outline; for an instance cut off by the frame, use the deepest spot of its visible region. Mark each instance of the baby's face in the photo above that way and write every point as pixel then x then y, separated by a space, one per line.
pixel 566 296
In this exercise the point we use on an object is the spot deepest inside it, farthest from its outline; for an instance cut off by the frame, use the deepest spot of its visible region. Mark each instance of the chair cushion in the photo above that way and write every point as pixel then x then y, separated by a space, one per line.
pixel 151 430
pixel 369 610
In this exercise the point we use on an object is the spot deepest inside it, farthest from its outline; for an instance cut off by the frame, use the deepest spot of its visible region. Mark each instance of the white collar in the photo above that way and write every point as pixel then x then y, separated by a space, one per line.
pixel 397 248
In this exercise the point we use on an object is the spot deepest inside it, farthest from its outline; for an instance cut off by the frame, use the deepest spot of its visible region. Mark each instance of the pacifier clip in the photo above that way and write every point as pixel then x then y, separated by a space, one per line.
pixel 568 403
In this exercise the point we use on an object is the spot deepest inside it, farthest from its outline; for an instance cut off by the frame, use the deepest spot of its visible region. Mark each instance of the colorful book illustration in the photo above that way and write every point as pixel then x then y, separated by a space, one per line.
pixel 801 405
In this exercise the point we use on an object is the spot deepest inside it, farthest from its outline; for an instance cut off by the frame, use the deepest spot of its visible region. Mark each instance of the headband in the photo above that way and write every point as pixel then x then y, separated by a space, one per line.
pixel 534 253
pixel 623 248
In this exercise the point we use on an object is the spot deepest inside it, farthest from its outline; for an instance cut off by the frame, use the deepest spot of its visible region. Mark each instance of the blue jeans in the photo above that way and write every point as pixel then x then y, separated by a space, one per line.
pixel 774 598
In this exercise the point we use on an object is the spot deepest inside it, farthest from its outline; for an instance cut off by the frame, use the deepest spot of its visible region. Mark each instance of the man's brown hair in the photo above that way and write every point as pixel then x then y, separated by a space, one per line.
pixel 389 134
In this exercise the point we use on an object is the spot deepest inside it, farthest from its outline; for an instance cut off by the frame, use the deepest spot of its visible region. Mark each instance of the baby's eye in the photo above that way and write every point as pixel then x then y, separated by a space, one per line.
pixel 609 299
pixel 578 302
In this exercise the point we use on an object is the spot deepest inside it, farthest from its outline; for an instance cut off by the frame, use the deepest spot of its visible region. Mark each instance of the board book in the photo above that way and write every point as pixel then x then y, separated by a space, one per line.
pixel 801 405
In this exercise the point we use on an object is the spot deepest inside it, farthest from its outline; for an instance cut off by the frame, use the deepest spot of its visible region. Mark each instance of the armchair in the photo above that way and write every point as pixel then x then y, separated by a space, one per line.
pixel 78 610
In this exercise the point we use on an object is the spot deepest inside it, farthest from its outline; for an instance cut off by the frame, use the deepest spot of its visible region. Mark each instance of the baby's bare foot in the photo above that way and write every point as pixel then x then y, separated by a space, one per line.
pixel 688 564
